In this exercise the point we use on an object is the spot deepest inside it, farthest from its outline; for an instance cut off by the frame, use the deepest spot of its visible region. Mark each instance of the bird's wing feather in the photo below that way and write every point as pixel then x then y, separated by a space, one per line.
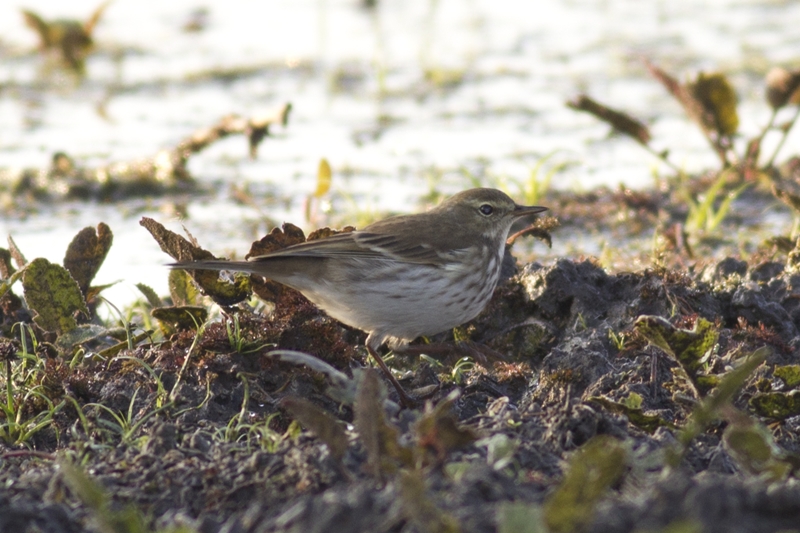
pixel 368 244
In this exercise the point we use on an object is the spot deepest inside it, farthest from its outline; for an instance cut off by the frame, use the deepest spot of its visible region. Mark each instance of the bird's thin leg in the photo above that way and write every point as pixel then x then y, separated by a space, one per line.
pixel 405 399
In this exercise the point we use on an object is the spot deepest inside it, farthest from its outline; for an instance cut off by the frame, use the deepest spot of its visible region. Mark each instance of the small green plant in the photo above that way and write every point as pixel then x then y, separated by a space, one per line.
pixel 703 216
pixel 239 428
pixel 460 370
pixel 535 188
pixel 22 413
pixel 237 339
pixel 266 437
pixel 435 363
pixel 710 101
pixel 161 391
pixel 125 424
pixel 17 428
pixel 201 328
pixel 617 339
pixel 580 323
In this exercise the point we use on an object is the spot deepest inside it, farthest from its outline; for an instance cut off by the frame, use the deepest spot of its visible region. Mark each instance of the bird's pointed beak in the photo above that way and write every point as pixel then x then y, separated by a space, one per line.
pixel 526 210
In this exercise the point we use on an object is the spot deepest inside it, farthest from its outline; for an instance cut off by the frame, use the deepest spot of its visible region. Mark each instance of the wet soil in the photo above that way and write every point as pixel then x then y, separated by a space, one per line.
pixel 226 456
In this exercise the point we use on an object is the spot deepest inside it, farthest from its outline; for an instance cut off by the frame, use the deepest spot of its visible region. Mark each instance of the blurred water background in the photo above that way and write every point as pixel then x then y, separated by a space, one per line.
pixel 406 100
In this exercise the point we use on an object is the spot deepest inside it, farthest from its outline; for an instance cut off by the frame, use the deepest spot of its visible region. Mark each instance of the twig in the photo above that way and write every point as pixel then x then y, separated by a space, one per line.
pixel 785 130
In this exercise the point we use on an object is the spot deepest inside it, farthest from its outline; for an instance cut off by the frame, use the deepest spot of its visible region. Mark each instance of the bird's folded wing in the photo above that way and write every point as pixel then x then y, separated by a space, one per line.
pixel 366 244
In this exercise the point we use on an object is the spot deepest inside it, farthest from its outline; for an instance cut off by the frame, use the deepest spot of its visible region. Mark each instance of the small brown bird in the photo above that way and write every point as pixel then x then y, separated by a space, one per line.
pixel 404 276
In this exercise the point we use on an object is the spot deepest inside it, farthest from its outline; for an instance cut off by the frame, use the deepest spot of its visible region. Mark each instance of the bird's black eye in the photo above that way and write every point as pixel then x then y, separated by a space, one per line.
pixel 486 209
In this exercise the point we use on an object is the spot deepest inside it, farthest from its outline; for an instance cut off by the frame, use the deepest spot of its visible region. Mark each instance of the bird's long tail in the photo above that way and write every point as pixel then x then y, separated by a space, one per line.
pixel 219 264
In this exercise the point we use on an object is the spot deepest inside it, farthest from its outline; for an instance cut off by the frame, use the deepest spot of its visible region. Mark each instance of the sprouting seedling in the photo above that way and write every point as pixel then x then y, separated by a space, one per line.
pixel 703 216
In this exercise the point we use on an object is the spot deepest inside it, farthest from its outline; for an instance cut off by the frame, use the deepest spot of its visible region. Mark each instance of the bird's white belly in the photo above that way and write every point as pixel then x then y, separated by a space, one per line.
pixel 416 302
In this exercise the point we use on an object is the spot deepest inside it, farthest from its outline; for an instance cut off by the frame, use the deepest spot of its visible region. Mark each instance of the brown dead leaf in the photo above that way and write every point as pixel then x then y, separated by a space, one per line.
pixel 621 122
pixel 86 254
pixel 277 239
pixel 324 233
pixel 173 244
pixel 540 229
pixel 679 91
pixel 783 87
pixel 94 18
pixel 16 254
pixel 225 293
pixel 6 268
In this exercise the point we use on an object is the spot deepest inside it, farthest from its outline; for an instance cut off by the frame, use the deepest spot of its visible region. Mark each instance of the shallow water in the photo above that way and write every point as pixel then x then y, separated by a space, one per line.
pixel 361 98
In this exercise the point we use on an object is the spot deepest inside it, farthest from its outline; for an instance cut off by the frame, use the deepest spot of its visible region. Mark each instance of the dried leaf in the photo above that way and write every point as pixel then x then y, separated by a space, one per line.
pixel 782 87
pixel 540 229
pixel 112 351
pixel 16 254
pixel 680 92
pixel 95 290
pixel 326 427
pixel 255 134
pixel 620 121
pixel 277 239
pixel 173 244
pixel 324 233
pixel 37 24
pixel 718 99
pixel 324 178
pixel 86 254
pixel 94 18
pixel 53 295
pixel 709 101
pixel 6 268
pixel 223 292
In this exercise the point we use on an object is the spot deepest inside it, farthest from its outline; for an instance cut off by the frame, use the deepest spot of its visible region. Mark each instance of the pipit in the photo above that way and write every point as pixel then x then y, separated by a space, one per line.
pixel 402 277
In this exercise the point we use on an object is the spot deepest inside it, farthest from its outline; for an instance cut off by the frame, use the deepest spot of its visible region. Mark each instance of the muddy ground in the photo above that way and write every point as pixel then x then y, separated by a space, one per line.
pixel 587 414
